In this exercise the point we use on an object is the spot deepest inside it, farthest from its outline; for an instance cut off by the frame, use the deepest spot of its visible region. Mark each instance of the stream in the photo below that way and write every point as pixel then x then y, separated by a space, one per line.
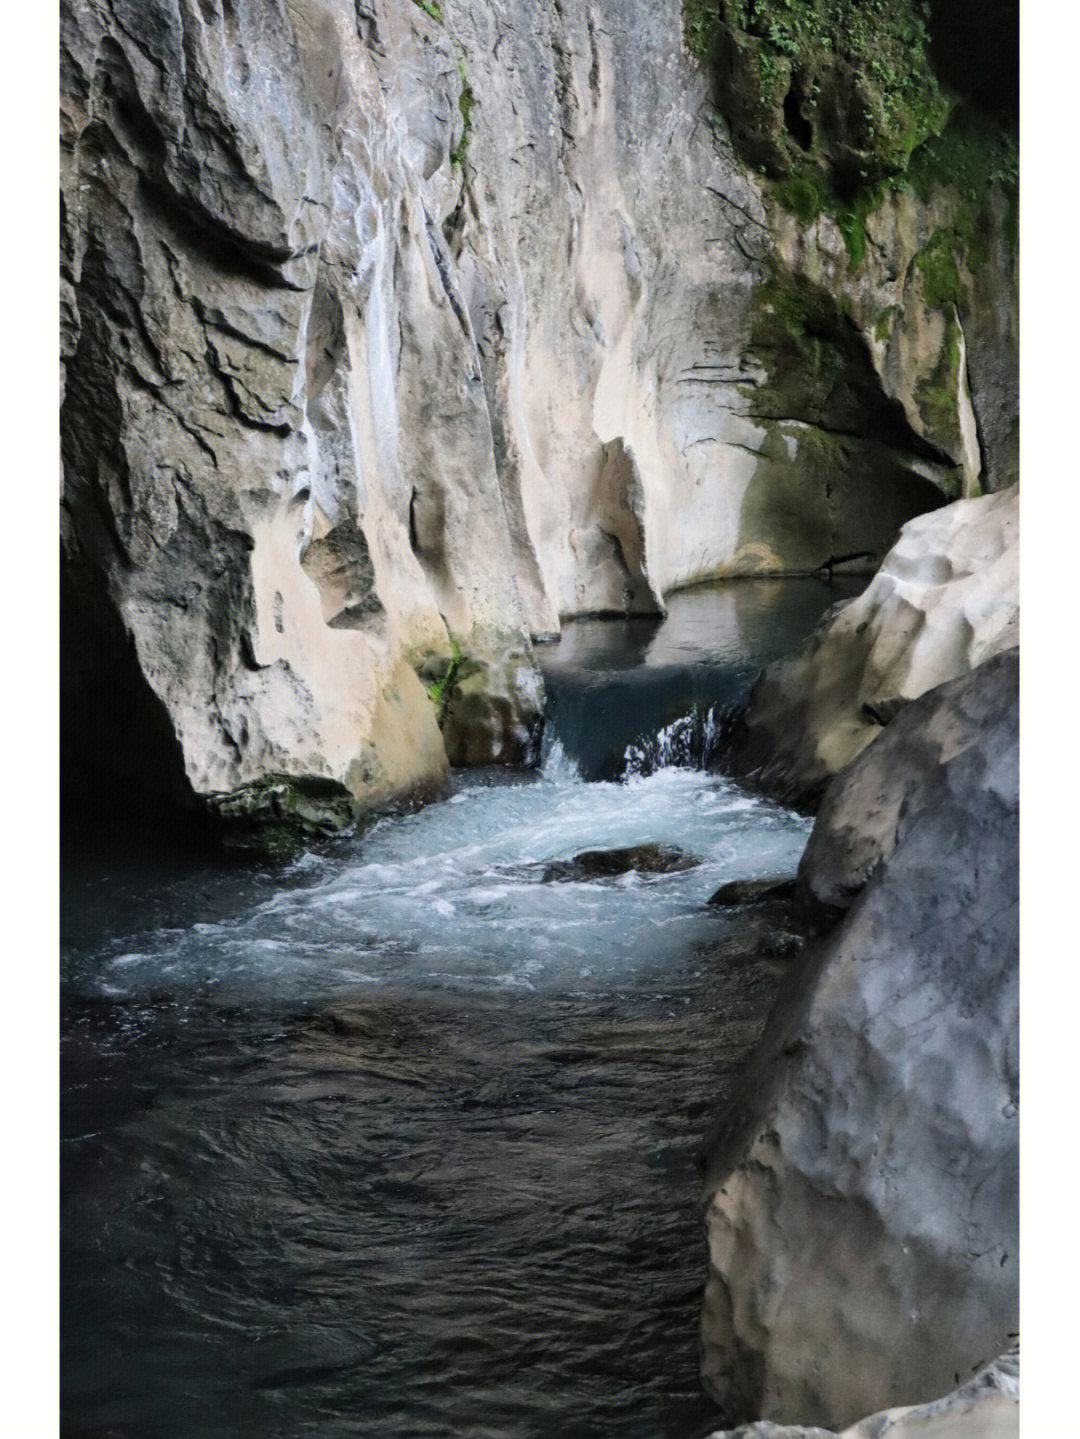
pixel 401 1140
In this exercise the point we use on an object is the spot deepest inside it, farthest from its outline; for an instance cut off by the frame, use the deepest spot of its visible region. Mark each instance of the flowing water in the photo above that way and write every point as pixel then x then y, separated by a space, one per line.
pixel 402 1140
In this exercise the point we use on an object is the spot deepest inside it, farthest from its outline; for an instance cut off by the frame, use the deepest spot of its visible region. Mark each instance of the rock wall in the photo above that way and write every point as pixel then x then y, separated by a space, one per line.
pixel 862 1213
pixel 393 335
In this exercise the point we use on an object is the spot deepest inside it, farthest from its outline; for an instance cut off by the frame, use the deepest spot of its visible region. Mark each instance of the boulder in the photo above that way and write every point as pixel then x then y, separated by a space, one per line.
pixel 752 891
pixel 862 1186
pixel 987 1406
pixel 610 863
pixel 964 733
pixel 944 601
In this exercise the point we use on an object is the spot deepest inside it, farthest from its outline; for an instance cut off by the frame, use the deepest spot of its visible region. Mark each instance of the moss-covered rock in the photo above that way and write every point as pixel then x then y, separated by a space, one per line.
pixel 936 394
pixel 838 102
pixel 277 815
pixel 491 709
pixel 837 90
pixel 819 368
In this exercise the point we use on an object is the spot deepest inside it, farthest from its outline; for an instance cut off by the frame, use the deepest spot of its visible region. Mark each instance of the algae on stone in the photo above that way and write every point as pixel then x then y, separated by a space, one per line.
pixel 281 813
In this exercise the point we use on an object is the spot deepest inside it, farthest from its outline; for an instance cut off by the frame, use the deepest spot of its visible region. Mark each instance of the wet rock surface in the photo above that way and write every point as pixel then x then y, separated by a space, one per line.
pixel 863 1187
pixel 985 1407
pixel 646 859
pixel 962 734
pixel 753 891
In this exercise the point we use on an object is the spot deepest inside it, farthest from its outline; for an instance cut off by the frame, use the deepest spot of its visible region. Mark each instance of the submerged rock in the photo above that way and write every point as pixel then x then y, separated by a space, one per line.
pixel 945 600
pixel 610 863
pixel 862 1213
pixel 753 891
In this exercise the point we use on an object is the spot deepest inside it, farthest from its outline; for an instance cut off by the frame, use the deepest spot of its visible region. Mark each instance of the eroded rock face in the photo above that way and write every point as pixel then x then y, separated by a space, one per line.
pixel 390 339
pixel 939 320
pixel 863 1189
pixel 945 600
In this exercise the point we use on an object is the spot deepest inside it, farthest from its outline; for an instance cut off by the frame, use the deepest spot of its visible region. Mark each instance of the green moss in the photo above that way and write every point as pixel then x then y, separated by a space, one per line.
pixel 430 7
pixel 844 86
pixel 700 24
pixel 836 102
pixel 280 813
pixel 466 101
pixel 937 264
pixel 817 364
pixel 883 324
pixel 804 196
pixel 936 394
pixel 971 156
pixel 807 195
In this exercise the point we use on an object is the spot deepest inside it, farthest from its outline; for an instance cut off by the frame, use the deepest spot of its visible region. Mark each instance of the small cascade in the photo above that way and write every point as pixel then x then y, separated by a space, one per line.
pixel 555 764
pixel 693 741
pixel 628 697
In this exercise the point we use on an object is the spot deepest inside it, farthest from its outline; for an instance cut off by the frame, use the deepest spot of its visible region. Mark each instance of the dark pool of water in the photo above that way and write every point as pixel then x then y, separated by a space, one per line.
pixel 401 1215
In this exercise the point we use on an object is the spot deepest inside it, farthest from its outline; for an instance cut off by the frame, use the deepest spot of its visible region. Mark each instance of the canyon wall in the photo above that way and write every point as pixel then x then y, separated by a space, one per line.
pixel 862 1192
pixel 394 335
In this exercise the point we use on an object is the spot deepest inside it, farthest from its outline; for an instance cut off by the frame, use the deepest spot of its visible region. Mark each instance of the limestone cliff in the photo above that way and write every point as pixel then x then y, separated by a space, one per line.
pixel 396 333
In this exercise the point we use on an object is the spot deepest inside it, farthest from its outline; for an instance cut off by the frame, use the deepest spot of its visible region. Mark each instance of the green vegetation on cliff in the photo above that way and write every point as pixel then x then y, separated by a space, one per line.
pixel 837 102
pixel 466 100
pixel 840 88
pixel 459 668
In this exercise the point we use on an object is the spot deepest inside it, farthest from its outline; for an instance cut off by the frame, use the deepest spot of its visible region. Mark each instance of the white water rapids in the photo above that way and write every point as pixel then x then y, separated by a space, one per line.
pixel 454 895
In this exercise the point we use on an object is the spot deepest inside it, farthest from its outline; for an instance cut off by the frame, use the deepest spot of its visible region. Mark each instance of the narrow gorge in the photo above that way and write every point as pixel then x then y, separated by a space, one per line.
pixel 539 651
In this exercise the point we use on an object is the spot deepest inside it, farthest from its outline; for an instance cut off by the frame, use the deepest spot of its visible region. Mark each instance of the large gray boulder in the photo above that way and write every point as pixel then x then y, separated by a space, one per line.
pixel 945 600
pixel 862 1213
pixel 929 755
